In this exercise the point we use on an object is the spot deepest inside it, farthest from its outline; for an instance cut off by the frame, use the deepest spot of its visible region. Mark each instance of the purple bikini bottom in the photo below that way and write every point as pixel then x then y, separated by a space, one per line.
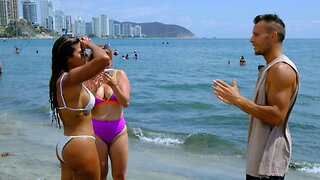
pixel 108 130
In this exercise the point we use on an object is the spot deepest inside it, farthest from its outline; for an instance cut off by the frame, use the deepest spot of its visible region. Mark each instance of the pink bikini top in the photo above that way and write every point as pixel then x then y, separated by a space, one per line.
pixel 111 100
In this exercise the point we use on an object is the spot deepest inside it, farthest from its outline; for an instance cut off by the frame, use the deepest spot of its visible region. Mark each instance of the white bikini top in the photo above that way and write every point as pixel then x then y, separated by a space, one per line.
pixel 88 107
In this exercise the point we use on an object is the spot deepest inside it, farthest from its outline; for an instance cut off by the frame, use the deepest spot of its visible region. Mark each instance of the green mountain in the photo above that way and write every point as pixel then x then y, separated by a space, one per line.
pixel 160 30
pixel 21 28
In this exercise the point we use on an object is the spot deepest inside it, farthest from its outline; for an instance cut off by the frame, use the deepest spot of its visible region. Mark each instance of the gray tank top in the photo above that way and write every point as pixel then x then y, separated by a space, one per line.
pixel 269 147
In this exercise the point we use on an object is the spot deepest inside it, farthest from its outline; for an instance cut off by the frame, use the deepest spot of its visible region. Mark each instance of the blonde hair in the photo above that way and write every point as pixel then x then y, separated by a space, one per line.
pixel 103 46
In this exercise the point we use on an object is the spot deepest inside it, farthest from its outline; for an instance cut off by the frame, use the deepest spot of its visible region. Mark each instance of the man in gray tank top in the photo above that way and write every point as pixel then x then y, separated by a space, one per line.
pixel 269 139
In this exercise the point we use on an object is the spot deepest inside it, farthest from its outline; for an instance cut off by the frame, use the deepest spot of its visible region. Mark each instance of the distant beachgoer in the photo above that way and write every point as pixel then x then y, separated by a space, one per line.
pixel 37 51
pixel 0 68
pixel 17 49
pixel 242 61
pixel 127 56
pixel 71 103
pixel 135 55
pixel 116 52
pixel 123 57
pixel 269 139
pixel 260 67
pixel 229 62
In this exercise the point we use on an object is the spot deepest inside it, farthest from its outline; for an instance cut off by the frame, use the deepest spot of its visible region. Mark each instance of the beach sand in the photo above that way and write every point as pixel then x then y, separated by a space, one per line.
pixel 31 148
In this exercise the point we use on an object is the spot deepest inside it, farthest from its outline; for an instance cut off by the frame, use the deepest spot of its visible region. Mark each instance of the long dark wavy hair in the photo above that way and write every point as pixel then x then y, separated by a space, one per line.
pixel 62 50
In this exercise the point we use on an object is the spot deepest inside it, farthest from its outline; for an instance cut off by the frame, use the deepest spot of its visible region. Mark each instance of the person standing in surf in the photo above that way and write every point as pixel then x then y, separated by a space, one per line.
pixel 71 103
pixel 269 139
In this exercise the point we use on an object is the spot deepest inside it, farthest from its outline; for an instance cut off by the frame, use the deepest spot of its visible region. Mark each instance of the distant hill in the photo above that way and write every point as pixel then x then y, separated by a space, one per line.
pixel 160 30
pixel 21 28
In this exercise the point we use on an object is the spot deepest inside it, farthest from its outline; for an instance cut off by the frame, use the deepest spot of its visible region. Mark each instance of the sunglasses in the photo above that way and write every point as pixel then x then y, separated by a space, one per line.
pixel 106 46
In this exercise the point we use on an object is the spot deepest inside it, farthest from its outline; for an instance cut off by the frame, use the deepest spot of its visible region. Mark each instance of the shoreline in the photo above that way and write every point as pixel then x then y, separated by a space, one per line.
pixel 32 156
pixel 176 128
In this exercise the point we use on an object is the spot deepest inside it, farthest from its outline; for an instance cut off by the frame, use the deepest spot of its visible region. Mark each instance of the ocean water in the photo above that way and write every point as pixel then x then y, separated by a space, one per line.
pixel 173 117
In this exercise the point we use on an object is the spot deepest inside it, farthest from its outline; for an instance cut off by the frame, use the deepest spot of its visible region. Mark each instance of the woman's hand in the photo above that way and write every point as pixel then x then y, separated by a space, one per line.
pixel 85 42
pixel 98 80
pixel 110 80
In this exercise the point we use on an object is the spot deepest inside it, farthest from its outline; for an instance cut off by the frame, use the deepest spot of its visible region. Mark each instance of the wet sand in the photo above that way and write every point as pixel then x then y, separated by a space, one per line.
pixel 29 153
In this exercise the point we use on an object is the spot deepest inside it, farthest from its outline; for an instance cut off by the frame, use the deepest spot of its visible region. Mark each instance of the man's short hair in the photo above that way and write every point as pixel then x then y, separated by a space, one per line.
pixel 274 24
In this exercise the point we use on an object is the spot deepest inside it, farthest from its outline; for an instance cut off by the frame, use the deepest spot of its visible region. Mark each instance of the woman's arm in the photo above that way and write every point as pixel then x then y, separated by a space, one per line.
pixel 90 69
pixel 121 88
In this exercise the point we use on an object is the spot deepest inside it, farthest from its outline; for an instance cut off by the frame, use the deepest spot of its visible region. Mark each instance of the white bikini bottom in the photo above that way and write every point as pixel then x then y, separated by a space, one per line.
pixel 64 141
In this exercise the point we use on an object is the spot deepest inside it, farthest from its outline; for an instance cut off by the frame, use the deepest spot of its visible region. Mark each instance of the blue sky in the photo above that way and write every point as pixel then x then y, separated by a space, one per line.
pixel 205 18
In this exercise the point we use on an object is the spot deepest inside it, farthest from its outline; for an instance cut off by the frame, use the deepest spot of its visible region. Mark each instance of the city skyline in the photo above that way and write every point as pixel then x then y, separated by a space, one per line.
pixel 63 23
pixel 205 18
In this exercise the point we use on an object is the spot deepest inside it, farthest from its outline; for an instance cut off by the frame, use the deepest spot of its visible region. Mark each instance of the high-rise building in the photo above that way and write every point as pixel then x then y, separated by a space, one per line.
pixel 117 29
pixel 49 23
pixel 68 29
pixel 46 10
pixel 88 28
pixel 8 11
pixel 60 21
pixel 104 25
pixel 136 31
pixel 29 11
pixel 126 29
pixel 111 28
pixel 96 27
pixel 79 27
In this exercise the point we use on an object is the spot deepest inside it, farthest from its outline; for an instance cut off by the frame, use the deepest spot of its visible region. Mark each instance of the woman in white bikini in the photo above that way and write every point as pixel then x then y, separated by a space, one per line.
pixel 71 103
